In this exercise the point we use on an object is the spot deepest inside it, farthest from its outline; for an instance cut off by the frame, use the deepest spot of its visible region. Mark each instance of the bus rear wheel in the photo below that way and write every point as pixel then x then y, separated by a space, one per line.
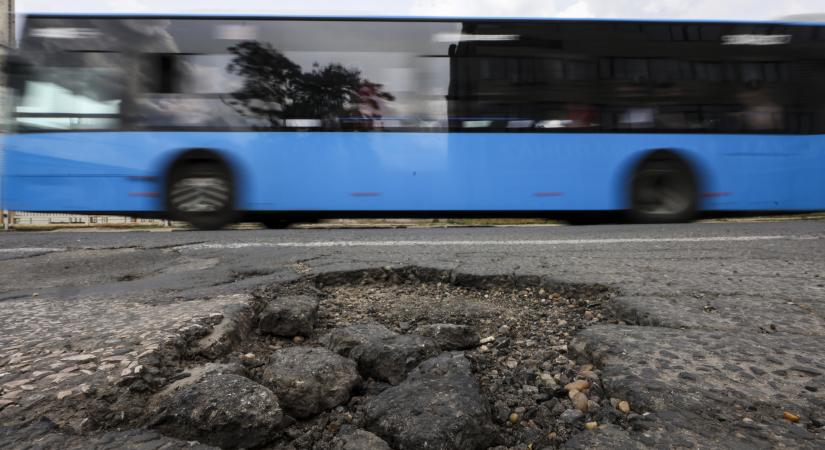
pixel 663 190
pixel 202 194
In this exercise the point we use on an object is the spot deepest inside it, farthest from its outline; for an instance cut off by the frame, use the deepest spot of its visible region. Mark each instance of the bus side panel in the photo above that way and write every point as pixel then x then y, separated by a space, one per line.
pixel 332 171
pixel 762 172
pixel 102 171
pixel 525 171
pixel 75 172
pixel 430 172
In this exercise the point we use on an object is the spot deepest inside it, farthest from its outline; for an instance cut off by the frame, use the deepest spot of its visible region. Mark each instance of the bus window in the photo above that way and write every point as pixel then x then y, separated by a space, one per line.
pixel 187 91
pixel 75 97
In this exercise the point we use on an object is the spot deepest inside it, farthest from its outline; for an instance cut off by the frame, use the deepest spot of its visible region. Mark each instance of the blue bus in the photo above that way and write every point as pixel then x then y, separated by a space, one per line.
pixel 219 119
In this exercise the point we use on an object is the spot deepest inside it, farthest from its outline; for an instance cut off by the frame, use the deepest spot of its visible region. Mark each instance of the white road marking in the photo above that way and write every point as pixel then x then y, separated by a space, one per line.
pixel 31 250
pixel 436 243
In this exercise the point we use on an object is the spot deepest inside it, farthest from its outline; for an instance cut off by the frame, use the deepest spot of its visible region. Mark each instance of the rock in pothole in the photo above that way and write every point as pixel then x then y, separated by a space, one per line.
pixel 355 439
pixel 228 411
pixel 390 359
pixel 450 336
pixel 343 340
pixel 439 406
pixel 310 380
pixel 289 316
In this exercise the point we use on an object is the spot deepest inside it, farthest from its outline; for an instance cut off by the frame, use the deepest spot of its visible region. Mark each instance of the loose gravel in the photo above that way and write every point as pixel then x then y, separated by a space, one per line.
pixel 520 360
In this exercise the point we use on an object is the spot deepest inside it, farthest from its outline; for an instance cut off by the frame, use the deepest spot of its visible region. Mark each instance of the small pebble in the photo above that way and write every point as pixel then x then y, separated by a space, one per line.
pixel 591 425
pixel 514 418
pixel 578 385
pixel 624 406
pixel 592 405
pixel 298 340
pixel 580 402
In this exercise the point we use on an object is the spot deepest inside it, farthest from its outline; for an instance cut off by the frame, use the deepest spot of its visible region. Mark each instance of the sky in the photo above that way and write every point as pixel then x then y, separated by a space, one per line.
pixel 671 9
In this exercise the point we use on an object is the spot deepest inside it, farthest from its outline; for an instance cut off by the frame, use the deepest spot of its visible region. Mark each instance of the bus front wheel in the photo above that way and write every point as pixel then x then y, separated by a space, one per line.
pixel 202 194
pixel 664 189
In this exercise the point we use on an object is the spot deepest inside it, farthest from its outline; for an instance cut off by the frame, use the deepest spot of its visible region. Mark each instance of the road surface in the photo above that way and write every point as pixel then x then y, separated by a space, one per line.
pixel 715 331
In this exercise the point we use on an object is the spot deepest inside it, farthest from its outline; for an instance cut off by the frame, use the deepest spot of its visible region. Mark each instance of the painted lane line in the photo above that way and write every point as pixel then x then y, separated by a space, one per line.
pixel 31 250
pixel 553 242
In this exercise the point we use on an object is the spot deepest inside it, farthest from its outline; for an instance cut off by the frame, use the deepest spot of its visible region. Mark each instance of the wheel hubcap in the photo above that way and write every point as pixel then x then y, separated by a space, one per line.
pixel 662 193
pixel 200 195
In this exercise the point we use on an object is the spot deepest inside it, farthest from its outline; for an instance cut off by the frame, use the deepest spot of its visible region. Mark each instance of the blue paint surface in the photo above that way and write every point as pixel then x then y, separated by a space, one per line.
pixel 394 171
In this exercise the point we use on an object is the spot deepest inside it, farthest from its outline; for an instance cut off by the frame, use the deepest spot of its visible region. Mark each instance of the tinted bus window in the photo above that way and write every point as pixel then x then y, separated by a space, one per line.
pixel 476 75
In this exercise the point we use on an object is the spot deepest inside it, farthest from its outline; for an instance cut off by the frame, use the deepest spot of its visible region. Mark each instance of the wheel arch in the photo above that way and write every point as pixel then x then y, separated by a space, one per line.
pixel 691 159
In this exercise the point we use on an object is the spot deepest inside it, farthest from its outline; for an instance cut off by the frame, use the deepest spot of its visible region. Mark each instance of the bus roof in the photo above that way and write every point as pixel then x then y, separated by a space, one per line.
pixel 413 18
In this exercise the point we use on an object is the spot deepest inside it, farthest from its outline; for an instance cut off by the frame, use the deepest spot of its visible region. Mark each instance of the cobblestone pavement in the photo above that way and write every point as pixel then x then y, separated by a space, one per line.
pixel 53 350
pixel 717 340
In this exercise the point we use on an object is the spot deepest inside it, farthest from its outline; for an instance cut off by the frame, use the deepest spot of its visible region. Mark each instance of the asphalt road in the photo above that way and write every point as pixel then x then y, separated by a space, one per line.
pixel 720 325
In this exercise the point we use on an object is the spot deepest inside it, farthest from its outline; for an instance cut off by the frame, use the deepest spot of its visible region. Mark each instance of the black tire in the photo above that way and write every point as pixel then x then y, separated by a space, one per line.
pixel 202 194
pixel 664 189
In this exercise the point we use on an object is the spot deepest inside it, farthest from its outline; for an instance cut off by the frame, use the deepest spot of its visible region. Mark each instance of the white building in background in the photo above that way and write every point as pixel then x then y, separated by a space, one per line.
pixel 51 219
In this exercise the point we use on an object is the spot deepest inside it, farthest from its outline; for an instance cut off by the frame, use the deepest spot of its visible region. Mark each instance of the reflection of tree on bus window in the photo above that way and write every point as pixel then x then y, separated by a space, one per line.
pixel 276 89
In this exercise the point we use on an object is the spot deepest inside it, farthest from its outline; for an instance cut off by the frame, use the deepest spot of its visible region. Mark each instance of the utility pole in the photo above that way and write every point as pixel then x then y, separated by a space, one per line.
pixel 7 33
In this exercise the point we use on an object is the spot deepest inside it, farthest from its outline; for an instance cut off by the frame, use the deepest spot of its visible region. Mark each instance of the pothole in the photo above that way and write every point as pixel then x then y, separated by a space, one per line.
pixel 394 358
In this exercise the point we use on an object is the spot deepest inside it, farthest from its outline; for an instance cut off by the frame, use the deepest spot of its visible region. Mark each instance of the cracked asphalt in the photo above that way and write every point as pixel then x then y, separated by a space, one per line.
pixel 717 333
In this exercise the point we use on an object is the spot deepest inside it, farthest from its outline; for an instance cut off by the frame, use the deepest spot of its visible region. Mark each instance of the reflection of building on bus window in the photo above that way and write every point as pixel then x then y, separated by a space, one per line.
pixel 59 98
pixel 637 117
pixel 582 116
pixel 571 115
pixel 759 112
